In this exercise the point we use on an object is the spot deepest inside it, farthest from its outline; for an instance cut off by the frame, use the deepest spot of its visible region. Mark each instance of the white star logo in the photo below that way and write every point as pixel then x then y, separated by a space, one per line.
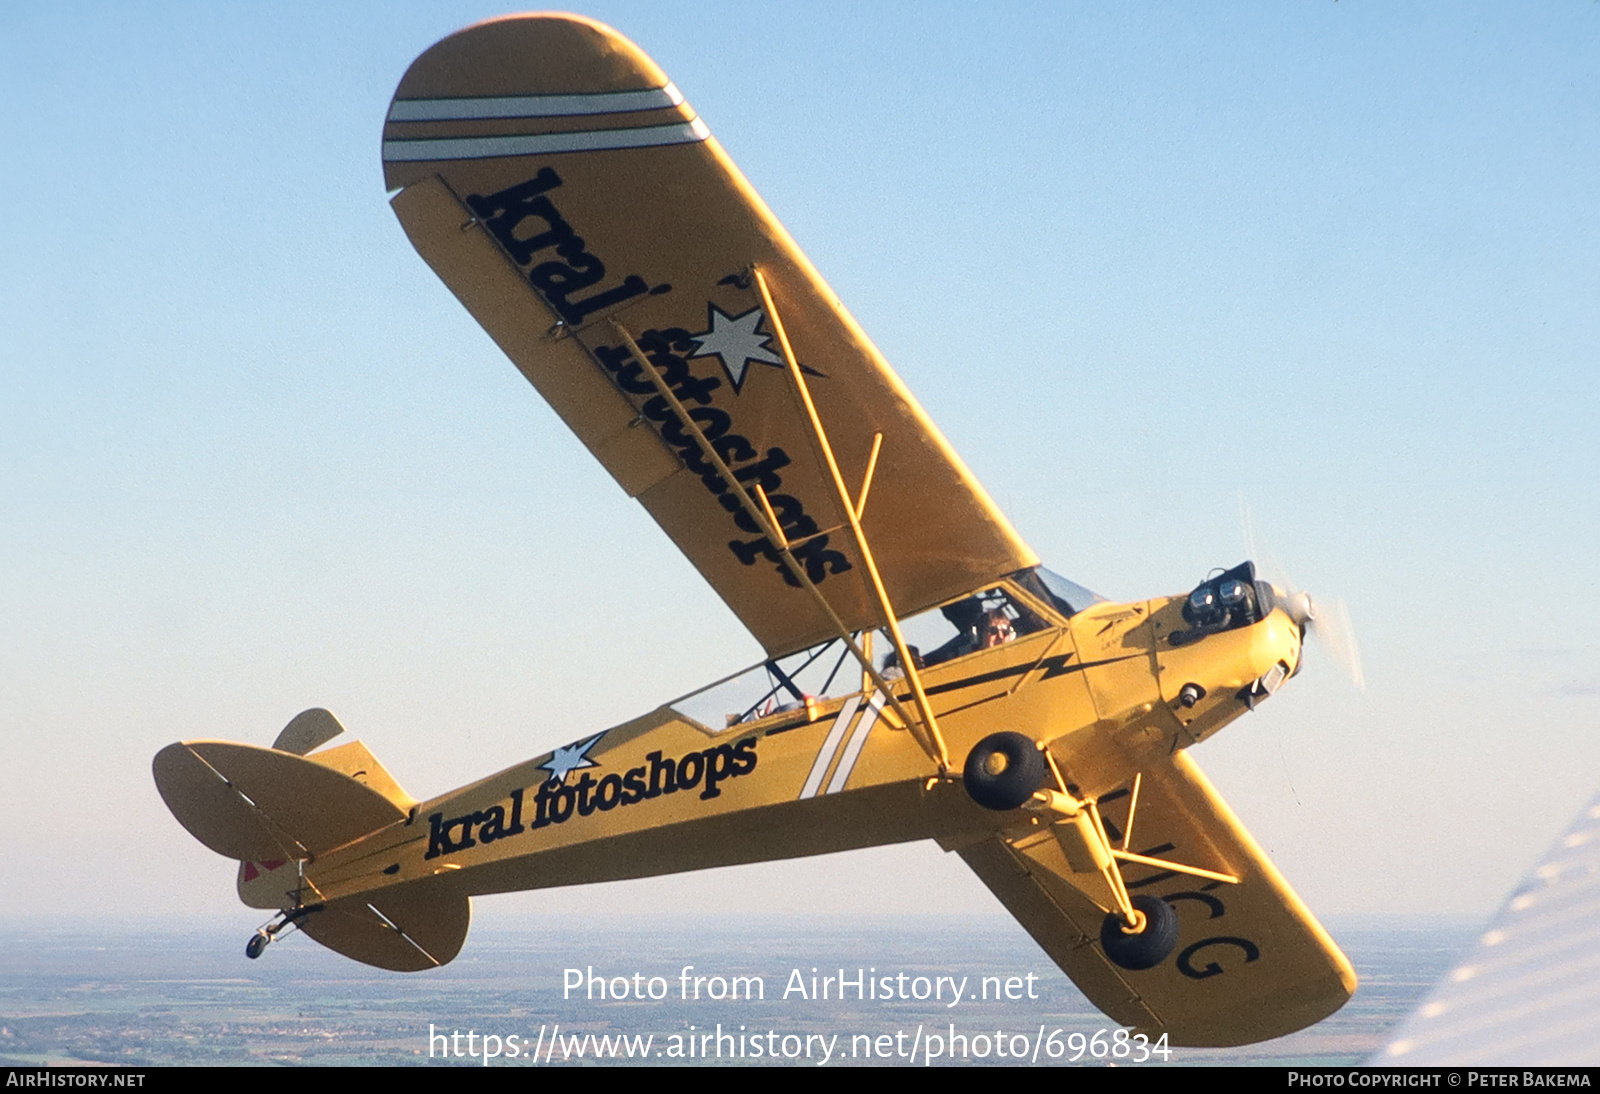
pixel 735 341
pixel 571 758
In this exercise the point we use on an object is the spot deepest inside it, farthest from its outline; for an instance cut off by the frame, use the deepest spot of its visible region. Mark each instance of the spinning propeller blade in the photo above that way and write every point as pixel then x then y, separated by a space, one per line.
pixel 1323 618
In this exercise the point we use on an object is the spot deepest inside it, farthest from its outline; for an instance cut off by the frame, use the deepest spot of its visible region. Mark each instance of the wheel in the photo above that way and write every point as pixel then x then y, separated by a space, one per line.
pixel 1003 770
pixel 1149 947
pixel 257 945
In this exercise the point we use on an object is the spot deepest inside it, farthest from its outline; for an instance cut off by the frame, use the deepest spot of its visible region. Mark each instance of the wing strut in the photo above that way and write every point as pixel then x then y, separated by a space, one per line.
pixel 853 509
pixel 762 514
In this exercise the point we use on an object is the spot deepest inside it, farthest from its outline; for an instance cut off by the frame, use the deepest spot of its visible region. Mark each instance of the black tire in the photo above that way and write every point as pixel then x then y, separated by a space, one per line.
pixel 1003 770
pixel 1149 947
pixel 257 945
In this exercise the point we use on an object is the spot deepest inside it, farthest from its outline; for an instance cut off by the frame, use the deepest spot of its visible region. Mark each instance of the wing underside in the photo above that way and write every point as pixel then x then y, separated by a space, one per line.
pixel 569 197
pixel 1251 962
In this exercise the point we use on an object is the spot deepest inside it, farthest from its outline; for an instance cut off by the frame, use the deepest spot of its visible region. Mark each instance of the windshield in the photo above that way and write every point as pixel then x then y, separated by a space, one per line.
pixel 1070 597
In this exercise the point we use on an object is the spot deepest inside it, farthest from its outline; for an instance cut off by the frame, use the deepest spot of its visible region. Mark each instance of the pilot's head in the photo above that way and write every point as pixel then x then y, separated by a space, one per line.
pixel 996 630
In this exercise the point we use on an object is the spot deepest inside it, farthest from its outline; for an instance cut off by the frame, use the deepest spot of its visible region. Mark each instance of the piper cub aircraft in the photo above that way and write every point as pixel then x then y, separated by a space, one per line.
pixel 925 677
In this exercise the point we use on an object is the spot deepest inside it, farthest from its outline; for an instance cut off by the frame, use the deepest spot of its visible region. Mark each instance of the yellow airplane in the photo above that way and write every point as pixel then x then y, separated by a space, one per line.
pixel 926 678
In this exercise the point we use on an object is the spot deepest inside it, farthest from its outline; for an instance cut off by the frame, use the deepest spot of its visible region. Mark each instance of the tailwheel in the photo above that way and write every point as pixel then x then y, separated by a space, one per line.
pixel 1147 947
pixel 286 920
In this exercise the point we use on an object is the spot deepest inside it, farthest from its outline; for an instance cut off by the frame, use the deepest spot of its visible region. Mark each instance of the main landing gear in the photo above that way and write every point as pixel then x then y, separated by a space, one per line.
pixel 1006 771
pixel 1143 949
pixel 1003 770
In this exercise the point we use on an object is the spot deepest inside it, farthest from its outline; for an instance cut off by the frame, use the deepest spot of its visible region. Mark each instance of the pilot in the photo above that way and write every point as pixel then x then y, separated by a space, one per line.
pixel 996 630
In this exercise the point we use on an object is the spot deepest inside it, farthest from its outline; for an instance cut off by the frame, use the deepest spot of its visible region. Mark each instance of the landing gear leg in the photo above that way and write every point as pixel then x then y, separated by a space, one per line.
pixel 1138 931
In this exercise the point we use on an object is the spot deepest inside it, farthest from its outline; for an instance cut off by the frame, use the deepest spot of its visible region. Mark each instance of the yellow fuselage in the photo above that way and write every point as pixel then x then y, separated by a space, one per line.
pixel 661 794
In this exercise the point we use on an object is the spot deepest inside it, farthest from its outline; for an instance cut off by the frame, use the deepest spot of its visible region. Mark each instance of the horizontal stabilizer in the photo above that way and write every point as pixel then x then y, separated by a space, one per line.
pixel 405 929
pixel 259 804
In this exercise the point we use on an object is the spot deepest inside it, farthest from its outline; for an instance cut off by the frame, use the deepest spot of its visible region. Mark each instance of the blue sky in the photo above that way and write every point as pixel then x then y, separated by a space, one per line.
pixel 1137 261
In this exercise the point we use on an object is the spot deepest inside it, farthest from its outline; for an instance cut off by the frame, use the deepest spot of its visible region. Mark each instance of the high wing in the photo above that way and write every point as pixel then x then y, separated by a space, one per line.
pixel 1251 961
pixel 564 191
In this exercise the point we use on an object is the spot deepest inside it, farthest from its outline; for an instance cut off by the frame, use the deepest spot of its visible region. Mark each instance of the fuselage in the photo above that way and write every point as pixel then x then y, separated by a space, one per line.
pixel 1103 689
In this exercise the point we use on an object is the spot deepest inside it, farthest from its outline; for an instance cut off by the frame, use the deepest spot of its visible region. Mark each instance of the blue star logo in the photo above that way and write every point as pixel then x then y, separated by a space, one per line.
pixel 571 758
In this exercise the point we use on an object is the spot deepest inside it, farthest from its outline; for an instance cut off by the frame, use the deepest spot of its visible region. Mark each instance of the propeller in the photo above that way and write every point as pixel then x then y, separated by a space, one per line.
pixel 1323 619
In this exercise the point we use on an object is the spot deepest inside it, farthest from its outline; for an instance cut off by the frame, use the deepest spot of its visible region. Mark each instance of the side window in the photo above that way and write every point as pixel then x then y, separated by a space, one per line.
pixel 978 622
pixel 774 687
pixel 799 681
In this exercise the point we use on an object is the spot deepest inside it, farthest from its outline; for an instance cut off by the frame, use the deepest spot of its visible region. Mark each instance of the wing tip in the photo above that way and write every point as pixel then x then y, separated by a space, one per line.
pixel 530 53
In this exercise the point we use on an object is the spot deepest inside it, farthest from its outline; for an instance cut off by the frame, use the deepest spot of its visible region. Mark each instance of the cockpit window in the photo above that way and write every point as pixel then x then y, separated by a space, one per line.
pixel 1067 596
pixel 982 621
pixel 778 686
pixel 795 683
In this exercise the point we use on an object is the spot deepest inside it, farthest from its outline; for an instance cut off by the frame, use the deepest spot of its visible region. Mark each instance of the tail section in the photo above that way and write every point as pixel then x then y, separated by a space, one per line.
pixel 257 804
pixel 310 729
pixel 276 809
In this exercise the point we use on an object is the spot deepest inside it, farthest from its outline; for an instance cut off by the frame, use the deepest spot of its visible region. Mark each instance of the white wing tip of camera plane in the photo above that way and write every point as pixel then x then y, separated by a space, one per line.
pixel 1529 993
